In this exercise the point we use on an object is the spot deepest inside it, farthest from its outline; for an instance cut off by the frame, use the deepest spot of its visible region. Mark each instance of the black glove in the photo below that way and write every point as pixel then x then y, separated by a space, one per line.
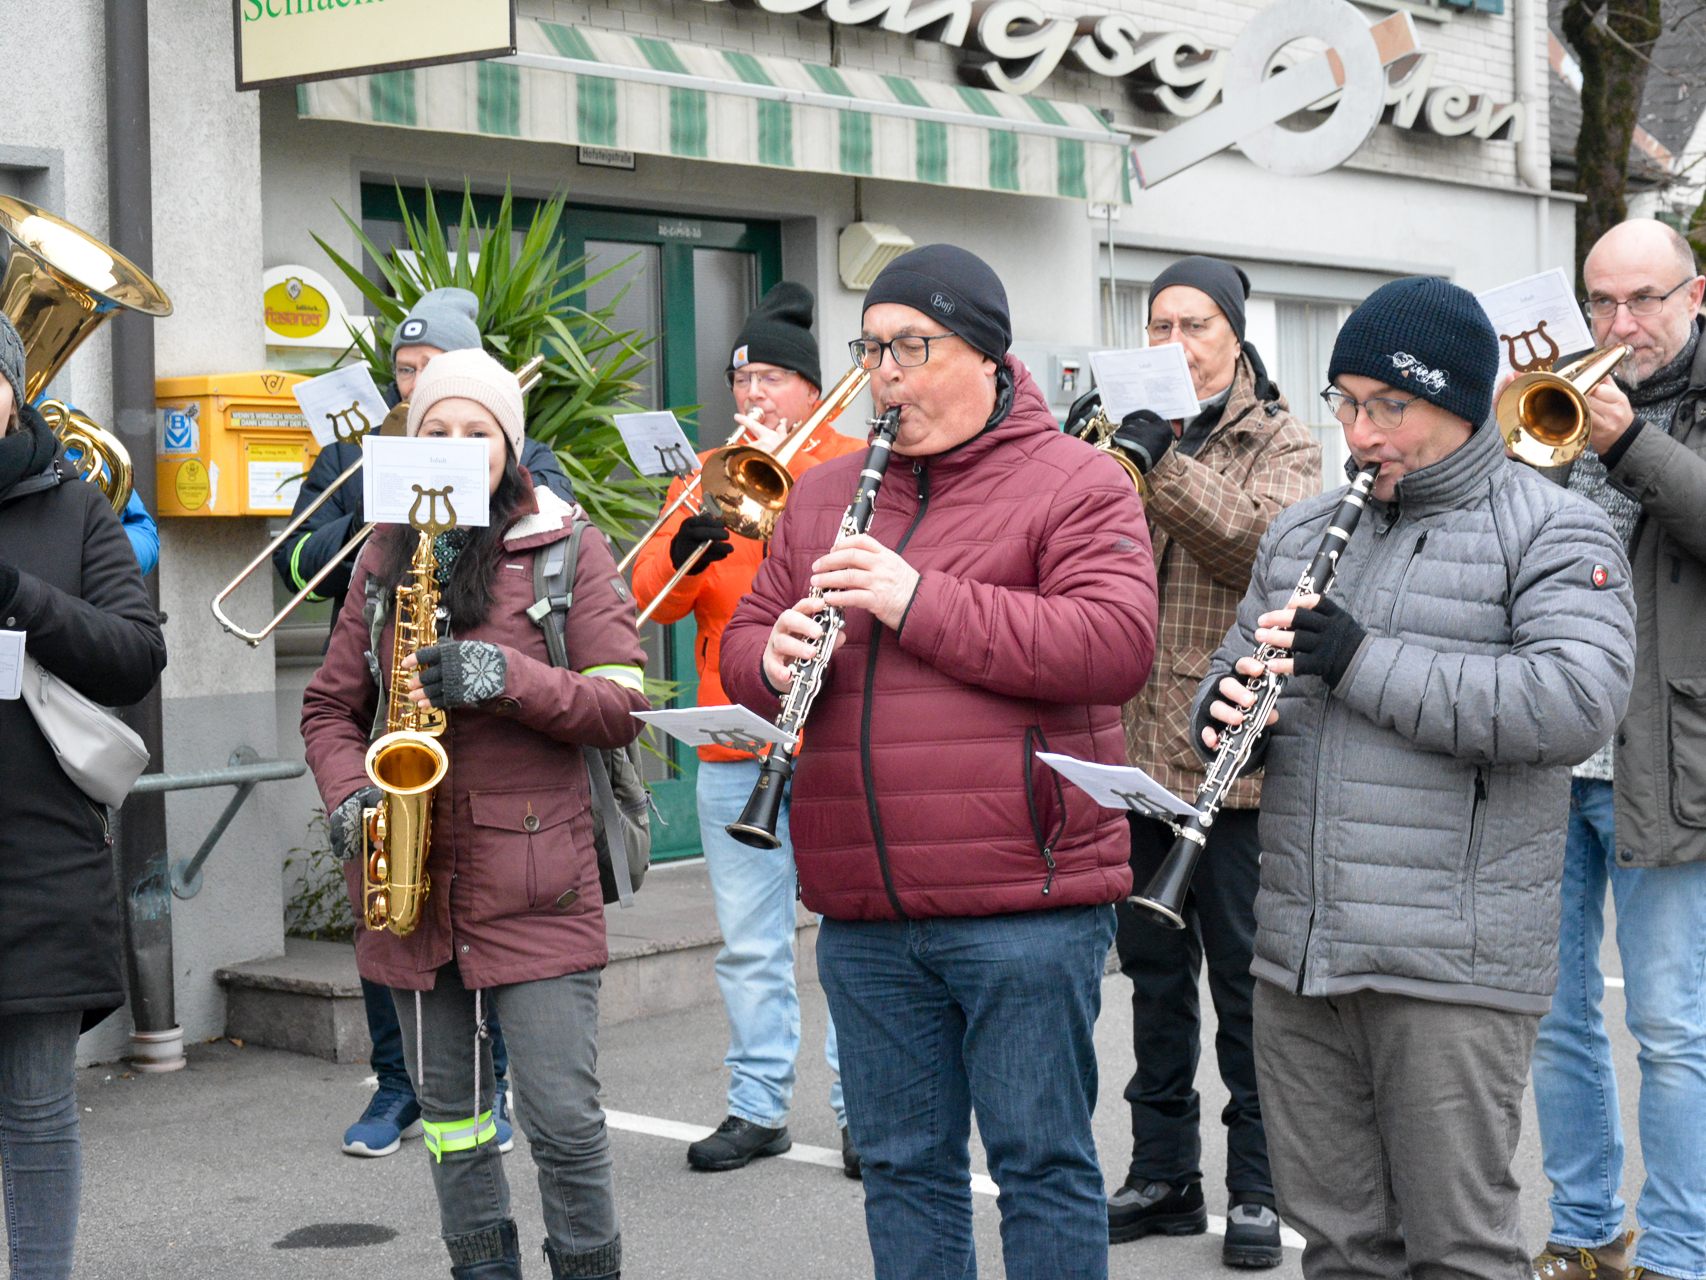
pixel 1326 640
pixel 1144 436
pixel 460 673
pixel 344 822
pixel 696 531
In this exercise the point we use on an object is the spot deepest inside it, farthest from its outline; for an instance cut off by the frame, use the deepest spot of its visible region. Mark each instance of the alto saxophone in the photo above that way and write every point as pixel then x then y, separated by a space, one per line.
pixel 406 763
pixel 756 826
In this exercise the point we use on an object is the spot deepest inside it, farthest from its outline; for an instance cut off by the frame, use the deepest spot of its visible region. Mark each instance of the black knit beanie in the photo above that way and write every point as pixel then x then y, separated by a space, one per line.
pixel 779 332
pixel 1425 335
pixel 1224 283
pixel 956 288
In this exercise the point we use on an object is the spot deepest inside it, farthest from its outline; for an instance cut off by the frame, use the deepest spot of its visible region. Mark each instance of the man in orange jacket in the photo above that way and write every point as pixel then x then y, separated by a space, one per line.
pixel 774 373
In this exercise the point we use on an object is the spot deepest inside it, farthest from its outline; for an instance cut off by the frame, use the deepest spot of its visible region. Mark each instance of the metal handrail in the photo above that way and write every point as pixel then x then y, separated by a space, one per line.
pixel 245 771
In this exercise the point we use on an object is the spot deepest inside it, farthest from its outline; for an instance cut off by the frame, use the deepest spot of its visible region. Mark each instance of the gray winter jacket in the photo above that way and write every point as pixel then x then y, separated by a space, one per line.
pixel 1661 744
pixel 1413 819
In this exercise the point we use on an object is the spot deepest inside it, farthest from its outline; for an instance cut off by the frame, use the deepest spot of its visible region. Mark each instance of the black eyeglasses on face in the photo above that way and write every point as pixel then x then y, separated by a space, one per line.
pixel 1384 412
pixel 1600 307
pixel 909 350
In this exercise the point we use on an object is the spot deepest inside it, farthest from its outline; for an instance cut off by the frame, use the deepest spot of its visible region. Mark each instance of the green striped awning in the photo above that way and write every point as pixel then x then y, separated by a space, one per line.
pixel 659 97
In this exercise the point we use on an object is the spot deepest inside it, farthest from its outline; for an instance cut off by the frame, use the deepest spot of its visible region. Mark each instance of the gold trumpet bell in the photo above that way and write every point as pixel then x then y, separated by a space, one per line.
pixel 1543 416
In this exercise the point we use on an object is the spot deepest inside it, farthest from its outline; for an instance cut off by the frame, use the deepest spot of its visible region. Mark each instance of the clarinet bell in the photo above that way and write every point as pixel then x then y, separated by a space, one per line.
pixel 1164 896
pixel 756 826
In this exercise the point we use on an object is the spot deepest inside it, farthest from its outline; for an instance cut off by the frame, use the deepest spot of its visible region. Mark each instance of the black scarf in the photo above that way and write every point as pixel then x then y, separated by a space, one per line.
pixel 25 452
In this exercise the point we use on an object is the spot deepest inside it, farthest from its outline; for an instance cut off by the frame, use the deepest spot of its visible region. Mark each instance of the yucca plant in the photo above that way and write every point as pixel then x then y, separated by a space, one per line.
pixel 532 302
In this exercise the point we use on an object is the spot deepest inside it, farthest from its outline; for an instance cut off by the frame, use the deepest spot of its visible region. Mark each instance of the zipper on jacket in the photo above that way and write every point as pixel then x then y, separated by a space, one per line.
pixel 1045 843
pixel 1472 859
pixel 922 475
pixel 1404 582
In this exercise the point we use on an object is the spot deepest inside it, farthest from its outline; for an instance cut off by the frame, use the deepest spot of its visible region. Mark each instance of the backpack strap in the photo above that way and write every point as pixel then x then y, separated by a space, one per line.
pixel 373 610
pixel 553 592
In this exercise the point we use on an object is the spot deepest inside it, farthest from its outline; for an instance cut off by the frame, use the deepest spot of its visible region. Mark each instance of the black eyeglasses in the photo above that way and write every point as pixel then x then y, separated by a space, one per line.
pixel 909 351
pixel 1600 307
pixel 1383 411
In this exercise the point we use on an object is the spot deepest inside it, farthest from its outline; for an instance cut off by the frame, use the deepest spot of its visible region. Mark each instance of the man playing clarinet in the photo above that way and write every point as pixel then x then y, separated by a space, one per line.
pixel 1477 642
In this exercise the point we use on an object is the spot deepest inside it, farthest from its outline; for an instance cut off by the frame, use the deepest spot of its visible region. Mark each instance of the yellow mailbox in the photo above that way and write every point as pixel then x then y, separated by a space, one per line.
pixel 230 444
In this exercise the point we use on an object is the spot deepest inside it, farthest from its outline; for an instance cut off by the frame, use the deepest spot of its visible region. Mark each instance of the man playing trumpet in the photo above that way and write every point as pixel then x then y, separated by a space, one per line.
pixel 774 374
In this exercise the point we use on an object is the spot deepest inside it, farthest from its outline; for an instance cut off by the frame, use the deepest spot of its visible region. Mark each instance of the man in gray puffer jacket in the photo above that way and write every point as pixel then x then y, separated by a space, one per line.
pixel 1479 641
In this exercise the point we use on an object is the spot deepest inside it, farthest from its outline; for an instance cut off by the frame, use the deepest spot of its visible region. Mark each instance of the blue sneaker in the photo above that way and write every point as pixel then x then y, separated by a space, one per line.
pixel 389 1118
pixel 500 1114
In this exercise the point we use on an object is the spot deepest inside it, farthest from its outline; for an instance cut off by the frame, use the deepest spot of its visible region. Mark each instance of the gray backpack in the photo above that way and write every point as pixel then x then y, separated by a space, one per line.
pixel 621 804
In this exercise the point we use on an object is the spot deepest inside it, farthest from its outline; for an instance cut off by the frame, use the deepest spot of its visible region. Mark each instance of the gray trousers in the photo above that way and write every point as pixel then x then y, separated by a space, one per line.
pixel 551 1027
pixel 1391 1126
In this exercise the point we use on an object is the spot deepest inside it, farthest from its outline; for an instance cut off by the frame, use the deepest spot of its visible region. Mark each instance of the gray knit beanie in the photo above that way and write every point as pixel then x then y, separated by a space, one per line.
pixel 12 362
pixel 444 318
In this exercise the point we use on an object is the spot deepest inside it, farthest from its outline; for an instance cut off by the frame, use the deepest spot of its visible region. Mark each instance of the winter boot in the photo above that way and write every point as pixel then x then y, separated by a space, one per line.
pixel 492 1253
pixel 602 1263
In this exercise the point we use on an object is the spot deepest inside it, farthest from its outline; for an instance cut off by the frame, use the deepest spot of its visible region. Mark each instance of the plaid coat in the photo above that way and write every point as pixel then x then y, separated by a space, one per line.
pixel 1206 515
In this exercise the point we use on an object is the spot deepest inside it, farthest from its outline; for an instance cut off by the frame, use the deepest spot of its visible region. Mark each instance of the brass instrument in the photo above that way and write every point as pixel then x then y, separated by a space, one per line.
pixel 407 761
pixel 689 493
pixel 750 485
pixel 395 424
pixel 1543 415
pixel 756 826
pixel 1097 429
pixel 59 285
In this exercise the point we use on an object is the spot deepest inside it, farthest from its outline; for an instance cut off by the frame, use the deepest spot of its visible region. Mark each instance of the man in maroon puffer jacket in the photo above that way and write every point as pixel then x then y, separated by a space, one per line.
pixel 1003 602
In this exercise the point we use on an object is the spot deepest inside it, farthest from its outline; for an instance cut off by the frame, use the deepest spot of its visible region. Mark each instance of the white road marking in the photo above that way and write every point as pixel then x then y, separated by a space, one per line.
pixel 804 1153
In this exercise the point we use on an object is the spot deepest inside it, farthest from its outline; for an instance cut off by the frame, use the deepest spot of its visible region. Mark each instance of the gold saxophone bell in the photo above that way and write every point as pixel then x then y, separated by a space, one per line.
pixel 1543 416
pixel 59 285
pixel 1097 430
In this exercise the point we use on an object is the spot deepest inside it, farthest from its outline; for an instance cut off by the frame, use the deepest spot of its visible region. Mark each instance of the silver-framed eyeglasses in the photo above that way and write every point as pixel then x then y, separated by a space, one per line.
pixel 770 379
pixel 1384 412
pixel 1600 307
pixel 909 350
pixel 1161 331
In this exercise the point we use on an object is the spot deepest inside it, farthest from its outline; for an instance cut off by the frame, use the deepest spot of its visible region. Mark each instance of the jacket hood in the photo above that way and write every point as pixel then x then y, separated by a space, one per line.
pixel 550 521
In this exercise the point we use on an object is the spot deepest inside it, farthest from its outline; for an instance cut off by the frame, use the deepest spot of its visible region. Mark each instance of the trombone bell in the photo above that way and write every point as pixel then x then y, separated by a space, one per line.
pixel 1544 417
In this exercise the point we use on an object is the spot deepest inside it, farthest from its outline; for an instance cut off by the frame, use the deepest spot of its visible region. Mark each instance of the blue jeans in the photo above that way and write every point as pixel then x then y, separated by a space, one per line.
pixel 1661 920
pixel 755 891
pixel 995 1014
pixel 41 1166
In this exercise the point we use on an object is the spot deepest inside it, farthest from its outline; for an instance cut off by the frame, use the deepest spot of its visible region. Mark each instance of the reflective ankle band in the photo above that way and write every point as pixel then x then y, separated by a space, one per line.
pixel 444 1137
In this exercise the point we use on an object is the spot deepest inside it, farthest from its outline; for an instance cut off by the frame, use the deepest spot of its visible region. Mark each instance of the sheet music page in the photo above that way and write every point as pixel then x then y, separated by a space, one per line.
pixel 726 726
pixel 1153 378
pixel 1533 315
pixel 393 466
pixel 345 400
pixel 1116 786
pixel 657 445
pixel 11 665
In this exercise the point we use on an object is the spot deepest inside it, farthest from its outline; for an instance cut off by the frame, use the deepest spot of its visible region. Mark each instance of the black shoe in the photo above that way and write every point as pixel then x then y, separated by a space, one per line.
pixel 1252 1235
pixel 1155 1208
pixel 735 1144
pixel 850 1163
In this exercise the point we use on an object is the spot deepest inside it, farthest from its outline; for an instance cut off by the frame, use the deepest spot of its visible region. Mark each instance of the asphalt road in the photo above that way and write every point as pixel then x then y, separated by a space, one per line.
pixel 231 1168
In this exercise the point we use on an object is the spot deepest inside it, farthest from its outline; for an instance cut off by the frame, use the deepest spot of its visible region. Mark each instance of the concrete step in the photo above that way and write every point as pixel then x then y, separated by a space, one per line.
pixel 662 951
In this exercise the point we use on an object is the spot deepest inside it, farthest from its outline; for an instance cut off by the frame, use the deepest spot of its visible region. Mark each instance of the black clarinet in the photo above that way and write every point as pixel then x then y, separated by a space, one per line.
pixel 1165 893
pixel 756 825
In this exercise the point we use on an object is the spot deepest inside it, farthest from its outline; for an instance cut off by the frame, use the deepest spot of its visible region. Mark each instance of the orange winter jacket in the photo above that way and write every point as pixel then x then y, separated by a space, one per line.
pixel 711 596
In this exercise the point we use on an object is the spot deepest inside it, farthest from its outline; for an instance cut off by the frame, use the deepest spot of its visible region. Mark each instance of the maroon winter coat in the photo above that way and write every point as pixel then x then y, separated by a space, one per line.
pixel 496 883
pixel 1033 621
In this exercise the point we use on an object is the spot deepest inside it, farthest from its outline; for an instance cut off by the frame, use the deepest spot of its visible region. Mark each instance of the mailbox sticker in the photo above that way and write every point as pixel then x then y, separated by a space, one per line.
pixel 192 485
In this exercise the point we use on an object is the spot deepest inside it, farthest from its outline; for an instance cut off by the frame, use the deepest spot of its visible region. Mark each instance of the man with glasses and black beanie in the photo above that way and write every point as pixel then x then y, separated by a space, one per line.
pixel 1478 642
pixel 1215 483
pixel 1001 604
pixel 773 372
pixel 1638 807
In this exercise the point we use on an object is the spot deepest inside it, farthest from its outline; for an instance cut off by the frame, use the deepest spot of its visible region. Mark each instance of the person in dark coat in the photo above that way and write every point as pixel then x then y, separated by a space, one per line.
pixel 70 583
pixel 514 917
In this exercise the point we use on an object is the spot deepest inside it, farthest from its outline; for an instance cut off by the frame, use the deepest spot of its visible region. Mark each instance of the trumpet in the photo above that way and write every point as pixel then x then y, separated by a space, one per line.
pixel 528 375
pixel 750 485
pixel 1543 415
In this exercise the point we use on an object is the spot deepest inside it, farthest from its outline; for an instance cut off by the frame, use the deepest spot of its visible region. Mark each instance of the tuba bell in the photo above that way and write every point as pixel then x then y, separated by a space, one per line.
pixel 1543 416
pixel 59 285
